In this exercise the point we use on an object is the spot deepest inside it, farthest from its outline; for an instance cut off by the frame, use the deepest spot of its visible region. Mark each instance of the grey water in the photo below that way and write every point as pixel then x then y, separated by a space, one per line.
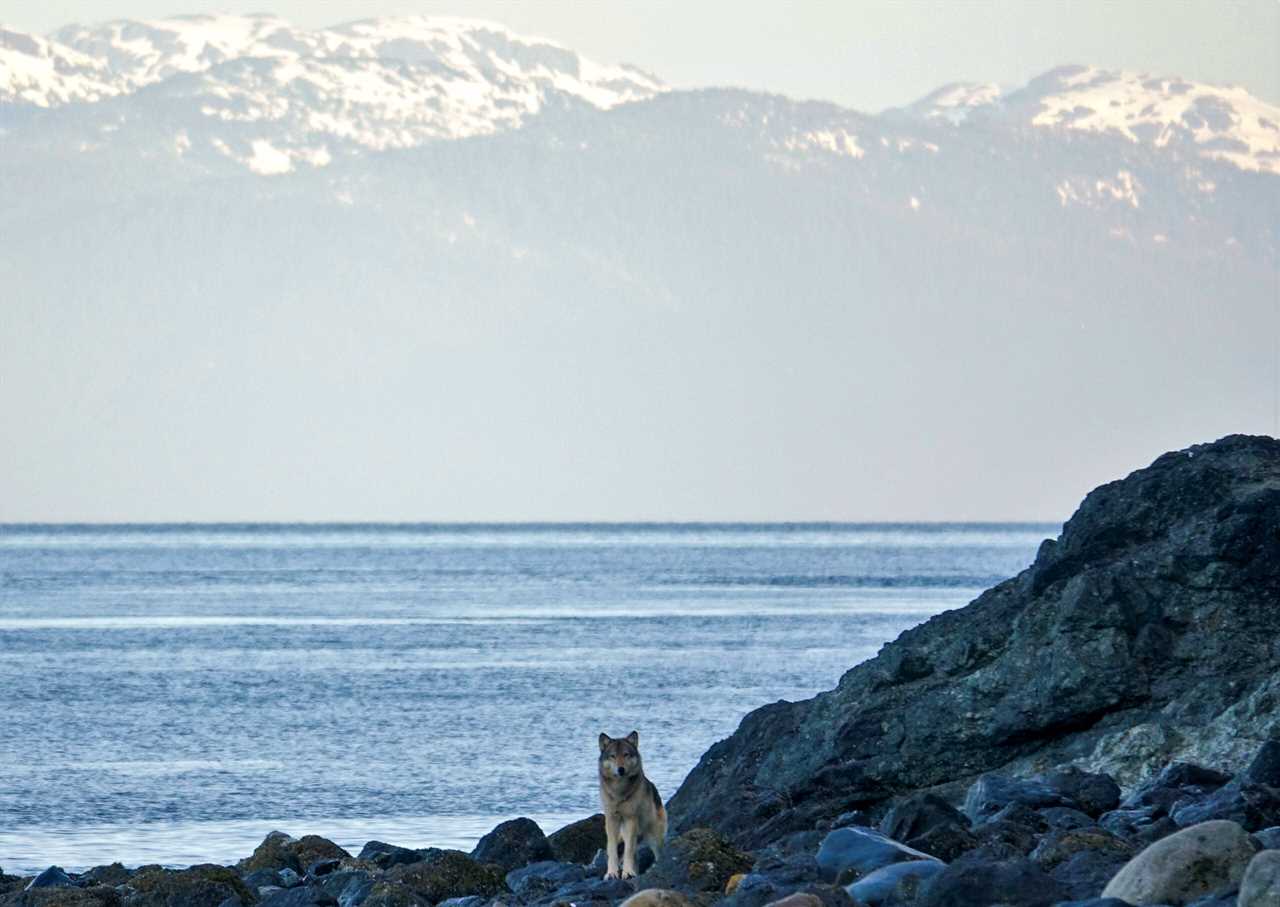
pixel 172 693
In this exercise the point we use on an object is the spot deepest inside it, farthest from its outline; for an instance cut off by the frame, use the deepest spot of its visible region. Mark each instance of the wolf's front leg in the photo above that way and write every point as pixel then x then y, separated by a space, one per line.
pixel 611 845
pixel 629 845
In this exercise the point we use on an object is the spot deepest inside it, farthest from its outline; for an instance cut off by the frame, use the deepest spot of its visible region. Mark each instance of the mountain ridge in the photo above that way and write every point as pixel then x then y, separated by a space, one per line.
pixel 397 82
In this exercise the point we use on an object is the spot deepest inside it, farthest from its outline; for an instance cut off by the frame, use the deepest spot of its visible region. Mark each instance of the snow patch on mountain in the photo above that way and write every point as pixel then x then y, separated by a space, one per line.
pixel 1224 123
pixel 375 84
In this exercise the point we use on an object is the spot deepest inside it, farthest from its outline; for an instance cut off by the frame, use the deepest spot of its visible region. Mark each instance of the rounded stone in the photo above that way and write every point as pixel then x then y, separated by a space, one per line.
pixel 1260 886
pixel 1197 861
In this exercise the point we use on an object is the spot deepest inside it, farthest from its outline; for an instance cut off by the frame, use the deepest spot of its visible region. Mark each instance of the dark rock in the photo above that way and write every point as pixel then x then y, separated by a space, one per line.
pixel 96 896
pixel 349 887
pixel 698 860
pixel 1268 838
pixel 386 855
pixel 852 817
pixel 1152 610
pixel 469 901
pixel 1265 767
pixel 1093 793
pixel 289 878
pixel 513 844
pixel 578 841
pixel 114 874
pixel 848 854
pixel 275 852
pixel 323 867
pixel 1021 814
pixel 205 885
pixel 1086 872
pixel 263 878
pixel 312 849
pixel 442 874
pixel 918 814
pixel 1255 806
pixel 1177 781
pixel 1095 902
pixel 946 842
pixel 303 896
pixel 1017 883
pixel 992 793
pixel 538 880
pixel 1001 840
pixel 1064 817
pixel 591 890
pixel 394 894
pixel 895 884
pixel 1059 846
pixel 53 877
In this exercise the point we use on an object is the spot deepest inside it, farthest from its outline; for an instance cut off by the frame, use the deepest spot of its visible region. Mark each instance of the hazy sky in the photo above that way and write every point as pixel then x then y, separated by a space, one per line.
pixel 866 55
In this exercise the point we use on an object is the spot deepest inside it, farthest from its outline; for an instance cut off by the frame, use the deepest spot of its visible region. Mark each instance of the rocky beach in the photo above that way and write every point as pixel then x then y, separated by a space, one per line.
pixel 1101 729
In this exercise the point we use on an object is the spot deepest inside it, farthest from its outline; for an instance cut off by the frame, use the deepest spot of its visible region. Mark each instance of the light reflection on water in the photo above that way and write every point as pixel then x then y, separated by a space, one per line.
pixel 173 693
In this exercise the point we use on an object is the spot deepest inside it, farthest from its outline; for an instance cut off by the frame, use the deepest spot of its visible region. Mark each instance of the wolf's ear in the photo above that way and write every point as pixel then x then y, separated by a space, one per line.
pixel 634 738
pixel 604 741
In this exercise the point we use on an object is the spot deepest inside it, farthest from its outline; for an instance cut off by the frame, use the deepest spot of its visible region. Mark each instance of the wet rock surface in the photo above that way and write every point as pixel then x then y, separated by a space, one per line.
pixel 1145 630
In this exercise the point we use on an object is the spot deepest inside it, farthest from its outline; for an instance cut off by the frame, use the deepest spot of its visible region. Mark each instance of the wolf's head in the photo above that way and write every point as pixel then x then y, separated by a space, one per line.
pixel 620 758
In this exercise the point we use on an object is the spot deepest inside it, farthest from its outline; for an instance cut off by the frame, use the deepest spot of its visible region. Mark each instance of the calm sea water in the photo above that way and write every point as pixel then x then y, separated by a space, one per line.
pixel 172 693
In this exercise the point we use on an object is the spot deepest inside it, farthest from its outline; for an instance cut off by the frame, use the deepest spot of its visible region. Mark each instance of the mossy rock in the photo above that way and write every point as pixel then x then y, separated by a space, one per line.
pixel 205 885
pixel 443 874
pixel 97 896
pixel 699 860
pixel 578 841
pixel 393 894
pixel 311 848
pixel 275 852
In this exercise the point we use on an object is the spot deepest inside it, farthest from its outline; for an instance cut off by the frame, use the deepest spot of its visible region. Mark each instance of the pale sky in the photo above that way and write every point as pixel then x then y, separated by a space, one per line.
pixel 866 55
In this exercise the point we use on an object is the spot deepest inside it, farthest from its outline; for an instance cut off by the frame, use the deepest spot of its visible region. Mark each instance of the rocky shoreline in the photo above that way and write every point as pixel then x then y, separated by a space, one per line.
pixel 1102 730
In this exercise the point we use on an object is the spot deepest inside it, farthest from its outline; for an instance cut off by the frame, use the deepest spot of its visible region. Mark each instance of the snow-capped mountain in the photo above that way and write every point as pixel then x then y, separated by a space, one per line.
pixel 439 231
pixel 305 96
pixel 1223 123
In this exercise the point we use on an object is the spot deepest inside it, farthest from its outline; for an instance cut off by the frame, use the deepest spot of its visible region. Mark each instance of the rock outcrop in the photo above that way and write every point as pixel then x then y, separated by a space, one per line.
pixel 1149 631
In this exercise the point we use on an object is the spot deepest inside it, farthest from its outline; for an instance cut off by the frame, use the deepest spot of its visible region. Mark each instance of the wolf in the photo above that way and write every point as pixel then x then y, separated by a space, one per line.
pixel 633 810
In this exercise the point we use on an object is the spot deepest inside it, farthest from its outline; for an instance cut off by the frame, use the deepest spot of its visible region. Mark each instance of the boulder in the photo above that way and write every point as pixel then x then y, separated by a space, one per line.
pixel 1193 863
pixel 302 896
pixel 697 861
pixel 657 897
pixel 442 874
pixel 578 841
pixel 513 844
pixel 537 880
pixel 992 793
pixel 1152 609
pixel 205 885
pixel 386 855
pixel 1268 838
pixel 848 854
pixel 1063 817
pixel 799 899
pixel 1013 883
pixel 394 894
pixel 1093 792
pixel 349 887
pixel 53 877
pixel 1260 886
pixel 275 852
pixel 96 896
pixel 1085 873
pixel 917 815
pixel 895 884
pixel 114 874
pixel 1059 846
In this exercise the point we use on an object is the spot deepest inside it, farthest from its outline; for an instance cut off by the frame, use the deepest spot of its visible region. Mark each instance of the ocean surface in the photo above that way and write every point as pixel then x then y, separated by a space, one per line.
pixel 173 693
